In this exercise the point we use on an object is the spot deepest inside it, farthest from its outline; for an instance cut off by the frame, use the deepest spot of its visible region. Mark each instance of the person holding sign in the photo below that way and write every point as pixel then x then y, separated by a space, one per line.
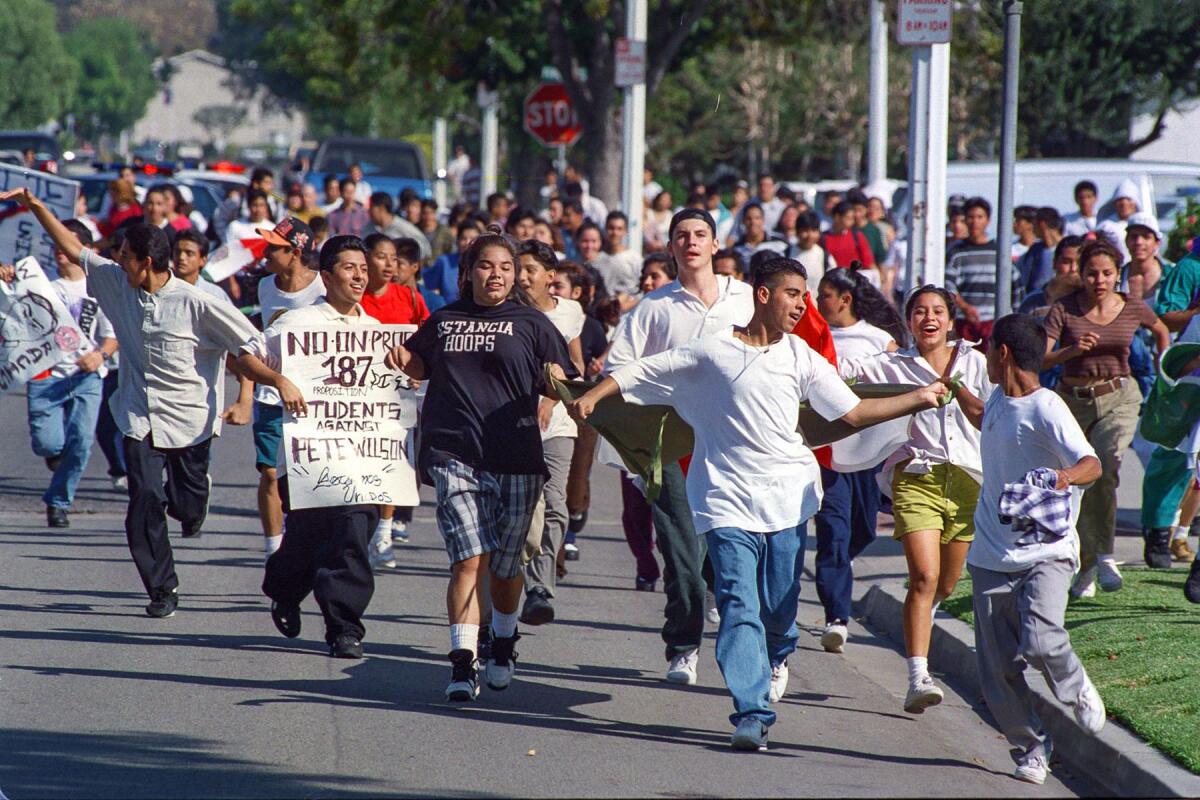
pixel 173 338
pixel 753 482
pixel 484 357
pixel 324 550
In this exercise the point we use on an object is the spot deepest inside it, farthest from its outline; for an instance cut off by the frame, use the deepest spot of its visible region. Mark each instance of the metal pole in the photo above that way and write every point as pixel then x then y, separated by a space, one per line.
pixel 877 116
pixel 633 133
pixel 488 156
pixel 1008 157
pixel 928 111
pixel 439 161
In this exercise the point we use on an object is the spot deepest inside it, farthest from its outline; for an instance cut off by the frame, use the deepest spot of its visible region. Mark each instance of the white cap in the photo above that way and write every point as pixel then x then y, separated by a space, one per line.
pixel 185 192
pixel 1129 190
pixel 1143 219
pixel 1112 232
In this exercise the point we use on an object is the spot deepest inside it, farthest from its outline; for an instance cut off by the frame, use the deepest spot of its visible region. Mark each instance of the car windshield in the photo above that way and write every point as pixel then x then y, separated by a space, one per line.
pixel 1171 192
pixel 19 142
pixel 375 158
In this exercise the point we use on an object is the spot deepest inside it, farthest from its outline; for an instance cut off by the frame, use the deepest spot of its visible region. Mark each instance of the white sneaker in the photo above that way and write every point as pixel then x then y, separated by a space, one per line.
pixel 1109 576
pixel 1032 769
pixel 380 549
pixel 683 668
pixel 1085 583
pixel 1089 709
pixel 710 609
pixel 779 679
pixel 834 637
pixel 399 532
pixel 922 694
pixel 120 484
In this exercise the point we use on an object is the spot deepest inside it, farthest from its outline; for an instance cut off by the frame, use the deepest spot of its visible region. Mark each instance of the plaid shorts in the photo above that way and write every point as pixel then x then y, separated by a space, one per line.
pixel 484 512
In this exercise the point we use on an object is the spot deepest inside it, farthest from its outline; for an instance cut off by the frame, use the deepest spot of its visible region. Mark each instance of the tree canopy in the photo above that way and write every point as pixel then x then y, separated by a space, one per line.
pixel 116 81
pixel 37 76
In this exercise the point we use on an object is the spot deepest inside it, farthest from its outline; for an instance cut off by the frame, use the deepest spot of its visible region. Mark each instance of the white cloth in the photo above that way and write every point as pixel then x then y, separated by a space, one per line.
pixel 772 211
pixel 816 263
pixel 751 468
pixel 860 340
pixel 212 290
pixel 671 316
pixel 173 345
pixel 1076 224
pixel 651 190
pixel 937 435
pixel 1021 434
pixel 273 303
pixel 91 320
pixel 568 319
pixel 363 191
pixel 245 229
pixel 622 272
pixel 866 448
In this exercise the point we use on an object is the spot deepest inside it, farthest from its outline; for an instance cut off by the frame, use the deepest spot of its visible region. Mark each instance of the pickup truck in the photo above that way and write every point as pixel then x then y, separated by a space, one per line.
pixel 388 165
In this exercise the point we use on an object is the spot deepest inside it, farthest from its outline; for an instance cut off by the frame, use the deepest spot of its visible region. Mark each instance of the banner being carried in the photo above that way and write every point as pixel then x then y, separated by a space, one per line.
pixel 20 233
pixel 36 330
pixel 351 447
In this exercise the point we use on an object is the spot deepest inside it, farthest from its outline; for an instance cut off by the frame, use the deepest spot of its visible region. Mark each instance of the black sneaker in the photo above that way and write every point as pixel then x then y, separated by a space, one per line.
pixel 1191 587
pixel 537 610
pixel 503 663
pixel 643 585
pixel 464 677
pixel 163 604
pixel 345 646
pixel 575 523
pixel 286 619
pixel 56 517
pixel 1157 548
pixel 483 643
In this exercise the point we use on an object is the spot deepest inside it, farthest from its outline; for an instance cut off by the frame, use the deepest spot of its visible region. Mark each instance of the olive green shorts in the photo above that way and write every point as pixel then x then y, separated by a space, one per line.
pixel 942 499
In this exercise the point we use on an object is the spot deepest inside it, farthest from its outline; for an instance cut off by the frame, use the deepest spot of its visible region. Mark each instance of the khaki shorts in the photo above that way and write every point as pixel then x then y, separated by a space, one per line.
pixel 942 499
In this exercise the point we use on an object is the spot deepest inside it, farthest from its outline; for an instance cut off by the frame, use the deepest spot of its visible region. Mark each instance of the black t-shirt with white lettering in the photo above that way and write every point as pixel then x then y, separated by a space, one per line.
pixel 484 366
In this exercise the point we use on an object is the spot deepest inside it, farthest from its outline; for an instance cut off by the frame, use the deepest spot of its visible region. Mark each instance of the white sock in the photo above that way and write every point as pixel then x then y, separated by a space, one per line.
pixel 918 667
pixel 933 611
pixel 383 529
pixel 271 543
pixel 1106 557
pixel 1180 533
pixel 504 625
pixel 464 636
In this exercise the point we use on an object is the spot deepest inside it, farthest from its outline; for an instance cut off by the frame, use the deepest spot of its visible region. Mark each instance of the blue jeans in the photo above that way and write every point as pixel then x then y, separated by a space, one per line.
pixel 62 423
pixel 845 526
pixel 757 584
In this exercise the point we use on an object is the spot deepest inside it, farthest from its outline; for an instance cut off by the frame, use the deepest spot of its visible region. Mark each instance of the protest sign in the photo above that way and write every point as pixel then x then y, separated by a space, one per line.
pixel 350 446
pixel 20 233
pixel 36 329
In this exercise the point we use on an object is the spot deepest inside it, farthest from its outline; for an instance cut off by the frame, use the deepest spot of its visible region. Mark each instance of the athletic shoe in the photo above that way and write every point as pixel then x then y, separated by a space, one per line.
pixel 483 643
pixel 120 483
pixel 572 552
pixel 503 663
pixel 779 679
pixel 400 532
pixel 1191 587
pixel 923 693
pixel 286 619
pixel 163 604
pixel 56 517
pixel 537 609
pixel 1157 548
pixel 346 646
pixel 683 668
pixel 1089 709
pixel 710 609
pixel 191 530
pixel 464 677
pixel 1109 576
pixel 750 734
pixel 642 585
pixel 1180 551
pixel 835 636
pixel 380 549
pixel 575 524
pixel 1032 768
pixel 1084 584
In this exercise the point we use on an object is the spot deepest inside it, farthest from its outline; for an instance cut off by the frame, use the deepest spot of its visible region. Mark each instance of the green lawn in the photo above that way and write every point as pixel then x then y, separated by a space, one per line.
pixel 1141 647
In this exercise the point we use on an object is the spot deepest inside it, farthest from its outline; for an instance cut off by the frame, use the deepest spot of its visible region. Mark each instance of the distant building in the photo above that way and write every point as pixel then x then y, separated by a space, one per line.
pixel 1178 142
pixel 201 84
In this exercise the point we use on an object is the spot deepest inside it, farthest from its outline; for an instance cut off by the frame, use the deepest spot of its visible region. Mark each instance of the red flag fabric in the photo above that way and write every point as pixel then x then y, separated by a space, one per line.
pixel 814 330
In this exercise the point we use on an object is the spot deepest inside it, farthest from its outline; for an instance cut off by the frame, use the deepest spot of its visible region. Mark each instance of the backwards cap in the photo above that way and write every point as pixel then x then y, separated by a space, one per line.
pixel 691 213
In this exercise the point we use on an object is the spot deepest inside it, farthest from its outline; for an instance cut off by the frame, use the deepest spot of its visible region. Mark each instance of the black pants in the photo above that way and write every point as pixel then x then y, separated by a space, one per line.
pixel 683 564
pixel 185 493
pixel 324 551
pixel 108 435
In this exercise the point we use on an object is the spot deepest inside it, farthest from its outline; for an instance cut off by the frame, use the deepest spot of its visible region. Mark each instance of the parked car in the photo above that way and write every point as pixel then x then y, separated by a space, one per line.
pixel 388 165
pixel 47 154
pixel 205 197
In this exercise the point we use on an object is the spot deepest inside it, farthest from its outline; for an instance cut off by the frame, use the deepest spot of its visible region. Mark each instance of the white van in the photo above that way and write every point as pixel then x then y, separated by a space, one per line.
pixel 1163 186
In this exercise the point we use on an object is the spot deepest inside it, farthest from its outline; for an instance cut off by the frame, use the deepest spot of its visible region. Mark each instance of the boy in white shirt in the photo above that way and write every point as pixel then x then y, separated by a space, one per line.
pixel 753 482
pixel 1021 573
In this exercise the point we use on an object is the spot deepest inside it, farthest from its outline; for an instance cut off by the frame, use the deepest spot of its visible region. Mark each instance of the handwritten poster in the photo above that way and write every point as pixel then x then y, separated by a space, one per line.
pixel 20 233
pixel 350 446
pixel 36 329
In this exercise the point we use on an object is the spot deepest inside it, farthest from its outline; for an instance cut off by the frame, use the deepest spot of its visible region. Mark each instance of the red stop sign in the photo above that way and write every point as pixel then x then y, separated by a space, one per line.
pixel 550 117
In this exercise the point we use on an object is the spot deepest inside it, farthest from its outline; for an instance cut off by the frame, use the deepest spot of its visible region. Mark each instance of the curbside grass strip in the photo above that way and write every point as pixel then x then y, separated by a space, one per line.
pixel 1116 759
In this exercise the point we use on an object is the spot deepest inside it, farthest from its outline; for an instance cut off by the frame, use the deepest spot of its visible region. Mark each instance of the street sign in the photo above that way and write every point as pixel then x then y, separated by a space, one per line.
pixel 550 117
pixel 630 62
pixel 923 22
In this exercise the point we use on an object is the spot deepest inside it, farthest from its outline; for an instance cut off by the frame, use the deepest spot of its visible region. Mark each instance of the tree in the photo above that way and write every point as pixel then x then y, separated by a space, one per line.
pixel 219 121
pixel 174 27
pixel 116 69
pixel 37 77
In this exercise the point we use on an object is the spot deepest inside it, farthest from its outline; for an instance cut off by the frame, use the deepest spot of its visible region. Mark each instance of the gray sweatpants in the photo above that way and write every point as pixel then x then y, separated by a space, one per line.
pixel 1019 621
pixel 541 571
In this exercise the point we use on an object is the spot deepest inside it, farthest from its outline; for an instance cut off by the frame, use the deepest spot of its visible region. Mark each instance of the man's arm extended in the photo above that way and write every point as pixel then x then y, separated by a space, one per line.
pixel 881 409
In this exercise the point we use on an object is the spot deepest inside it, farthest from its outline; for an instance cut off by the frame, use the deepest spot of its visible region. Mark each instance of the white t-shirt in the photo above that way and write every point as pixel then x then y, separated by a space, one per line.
pixel 273 302
pixel 751 468
pixel 622 272
pixel 816 263
pixel 1021 434
pixel 245 229
pixel 90 319
pixel 859 340
pixel 568 319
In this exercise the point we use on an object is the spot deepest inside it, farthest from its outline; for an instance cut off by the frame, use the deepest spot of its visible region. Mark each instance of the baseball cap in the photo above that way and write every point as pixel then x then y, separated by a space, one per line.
pixel 1144 219
pixel 291 232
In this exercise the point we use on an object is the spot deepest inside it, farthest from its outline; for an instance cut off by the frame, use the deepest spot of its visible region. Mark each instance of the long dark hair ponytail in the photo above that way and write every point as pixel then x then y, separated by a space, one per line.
pixel 867 303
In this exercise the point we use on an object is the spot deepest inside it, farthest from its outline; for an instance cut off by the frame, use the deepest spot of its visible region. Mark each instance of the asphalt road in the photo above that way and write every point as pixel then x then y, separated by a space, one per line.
pixel 99 700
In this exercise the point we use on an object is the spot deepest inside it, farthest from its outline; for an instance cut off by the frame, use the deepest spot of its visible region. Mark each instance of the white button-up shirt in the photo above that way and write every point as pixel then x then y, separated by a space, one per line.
pixel 936 435
pixel 173 346
pixel 671 316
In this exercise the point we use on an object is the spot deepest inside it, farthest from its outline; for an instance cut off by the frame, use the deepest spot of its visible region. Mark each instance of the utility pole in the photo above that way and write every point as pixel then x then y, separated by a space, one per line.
pixel 1008 157
pixel 439 161
pixel 877 114
pixel 489 103
pixel 929 112
pixel 631 69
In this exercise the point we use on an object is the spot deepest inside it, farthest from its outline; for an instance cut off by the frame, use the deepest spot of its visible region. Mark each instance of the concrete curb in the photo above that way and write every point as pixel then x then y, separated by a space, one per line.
pixel 1116 759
